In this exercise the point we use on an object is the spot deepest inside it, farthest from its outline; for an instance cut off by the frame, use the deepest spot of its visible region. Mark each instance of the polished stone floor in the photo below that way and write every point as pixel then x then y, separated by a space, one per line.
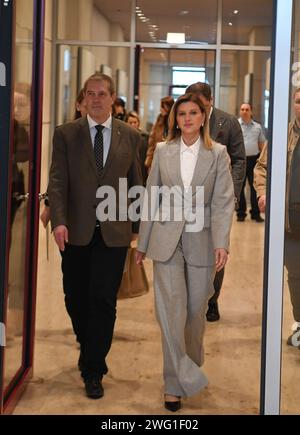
pixel 134 382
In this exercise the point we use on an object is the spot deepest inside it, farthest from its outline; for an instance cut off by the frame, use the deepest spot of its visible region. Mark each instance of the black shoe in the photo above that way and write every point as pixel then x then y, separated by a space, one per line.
pixel 173 406
pixel 213 314
pixel 240 218
pixel 257 219
pixel 93 388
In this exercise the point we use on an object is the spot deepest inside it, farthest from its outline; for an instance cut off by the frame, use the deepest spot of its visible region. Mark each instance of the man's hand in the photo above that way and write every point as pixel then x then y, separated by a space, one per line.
pixel 61 236
pixel 262 203
pixel 221 256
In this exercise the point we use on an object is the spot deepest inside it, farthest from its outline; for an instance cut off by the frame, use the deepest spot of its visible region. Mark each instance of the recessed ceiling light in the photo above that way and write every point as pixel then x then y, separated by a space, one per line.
pixel 235 11
pixel 184 12
pixel 230 24
pixel 176 38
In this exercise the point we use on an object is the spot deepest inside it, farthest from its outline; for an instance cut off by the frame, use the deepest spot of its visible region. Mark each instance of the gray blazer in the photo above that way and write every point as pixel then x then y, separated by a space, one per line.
pixel 159 239
pixel 225 129
pixel 74 180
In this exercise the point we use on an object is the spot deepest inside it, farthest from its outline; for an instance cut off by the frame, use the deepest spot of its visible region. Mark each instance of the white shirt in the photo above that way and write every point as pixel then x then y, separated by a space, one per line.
pixel 106 134
pixel 188 159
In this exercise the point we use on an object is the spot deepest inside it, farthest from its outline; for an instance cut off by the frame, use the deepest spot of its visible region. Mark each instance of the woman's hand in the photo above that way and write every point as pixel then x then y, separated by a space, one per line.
pixel 221 256
pixel 61 236
pixel 140 257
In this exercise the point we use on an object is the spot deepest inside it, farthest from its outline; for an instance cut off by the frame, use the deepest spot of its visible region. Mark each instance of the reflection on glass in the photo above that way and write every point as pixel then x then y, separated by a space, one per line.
pixel 20 179
pixel 245 76
pixel 197 19
pixel 94 20
pixel 170 72
pixel 247 22
pixel 290 398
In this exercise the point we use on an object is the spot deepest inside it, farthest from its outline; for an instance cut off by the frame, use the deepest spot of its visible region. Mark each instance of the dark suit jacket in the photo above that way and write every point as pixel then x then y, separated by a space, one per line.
pixel 225 129
pixel 74 180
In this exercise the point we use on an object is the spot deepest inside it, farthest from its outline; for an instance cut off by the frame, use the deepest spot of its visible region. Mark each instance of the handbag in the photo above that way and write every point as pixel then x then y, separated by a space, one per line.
pixel 134 282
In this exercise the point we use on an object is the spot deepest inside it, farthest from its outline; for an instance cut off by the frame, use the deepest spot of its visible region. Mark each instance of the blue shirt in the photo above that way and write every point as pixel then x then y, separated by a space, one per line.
pixel 253 135
pixel 106 134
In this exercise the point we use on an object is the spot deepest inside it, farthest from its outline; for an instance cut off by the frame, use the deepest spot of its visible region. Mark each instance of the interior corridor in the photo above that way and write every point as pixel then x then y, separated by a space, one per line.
pixel 134 382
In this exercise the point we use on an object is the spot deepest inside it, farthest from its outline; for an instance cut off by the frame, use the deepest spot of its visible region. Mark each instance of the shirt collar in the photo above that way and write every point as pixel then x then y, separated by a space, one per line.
pixel 192 148
pixel 246 123
pixel 106 124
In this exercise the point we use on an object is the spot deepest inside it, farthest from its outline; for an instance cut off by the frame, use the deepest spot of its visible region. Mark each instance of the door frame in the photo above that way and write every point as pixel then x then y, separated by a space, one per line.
pixel 276 188
pixel 9 397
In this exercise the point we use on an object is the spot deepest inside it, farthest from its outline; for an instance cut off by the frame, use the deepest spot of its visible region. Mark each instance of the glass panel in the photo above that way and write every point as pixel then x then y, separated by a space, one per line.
pixel 197 19
pixel 76 64
pixel 20 187
pixel 290 397
pixel 247 22
pixel 169 72
pixel 245 76
pixel 94 20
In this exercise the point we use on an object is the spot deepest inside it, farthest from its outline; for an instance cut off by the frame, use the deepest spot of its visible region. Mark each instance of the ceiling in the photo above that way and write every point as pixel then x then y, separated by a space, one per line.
pixel 196 18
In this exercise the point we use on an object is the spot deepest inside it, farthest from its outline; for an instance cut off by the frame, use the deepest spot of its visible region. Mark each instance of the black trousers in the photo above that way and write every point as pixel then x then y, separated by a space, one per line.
pixel 242 210
pixel 91 278
pixel 292 260
pixel 218 281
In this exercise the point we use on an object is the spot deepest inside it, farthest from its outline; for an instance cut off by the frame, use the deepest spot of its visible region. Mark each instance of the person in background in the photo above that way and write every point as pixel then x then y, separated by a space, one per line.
pixel 80 110
pixel 254 140
pixel 133 119
pixel 185 259
pixel 225 129
pixel 292 209
pixel 119 110
pixel 80 106
pixel 89 153
pixel 159 130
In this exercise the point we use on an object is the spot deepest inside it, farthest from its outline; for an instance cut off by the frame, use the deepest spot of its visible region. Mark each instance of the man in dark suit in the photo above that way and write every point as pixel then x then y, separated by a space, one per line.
pixel 225 129
pixel 90 153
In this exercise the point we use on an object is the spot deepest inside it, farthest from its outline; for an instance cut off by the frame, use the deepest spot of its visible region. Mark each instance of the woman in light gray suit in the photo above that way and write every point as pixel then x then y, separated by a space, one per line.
pixel 186 253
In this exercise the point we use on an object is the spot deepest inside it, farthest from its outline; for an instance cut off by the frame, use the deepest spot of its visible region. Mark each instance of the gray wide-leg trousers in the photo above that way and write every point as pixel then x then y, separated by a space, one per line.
pixel 181 296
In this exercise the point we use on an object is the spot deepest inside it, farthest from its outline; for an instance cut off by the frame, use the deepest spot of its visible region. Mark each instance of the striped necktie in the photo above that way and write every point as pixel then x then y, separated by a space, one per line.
pixel 98 148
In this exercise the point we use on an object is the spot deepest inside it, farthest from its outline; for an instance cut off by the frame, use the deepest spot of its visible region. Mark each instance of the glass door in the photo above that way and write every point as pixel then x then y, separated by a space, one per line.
pixel 280 353
pixel 19 201
pixel 290 392
pixel 23 170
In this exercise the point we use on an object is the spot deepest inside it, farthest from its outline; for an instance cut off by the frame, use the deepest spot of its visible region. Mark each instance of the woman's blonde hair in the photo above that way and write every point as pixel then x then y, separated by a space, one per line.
pixel 174 130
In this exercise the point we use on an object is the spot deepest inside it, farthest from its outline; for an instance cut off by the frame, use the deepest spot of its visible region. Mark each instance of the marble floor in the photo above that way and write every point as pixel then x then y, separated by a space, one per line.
pixel 134 382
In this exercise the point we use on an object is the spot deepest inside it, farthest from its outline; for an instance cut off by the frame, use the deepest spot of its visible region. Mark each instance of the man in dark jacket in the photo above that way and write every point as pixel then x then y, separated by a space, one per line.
pixel 90 153
pixel 224 129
